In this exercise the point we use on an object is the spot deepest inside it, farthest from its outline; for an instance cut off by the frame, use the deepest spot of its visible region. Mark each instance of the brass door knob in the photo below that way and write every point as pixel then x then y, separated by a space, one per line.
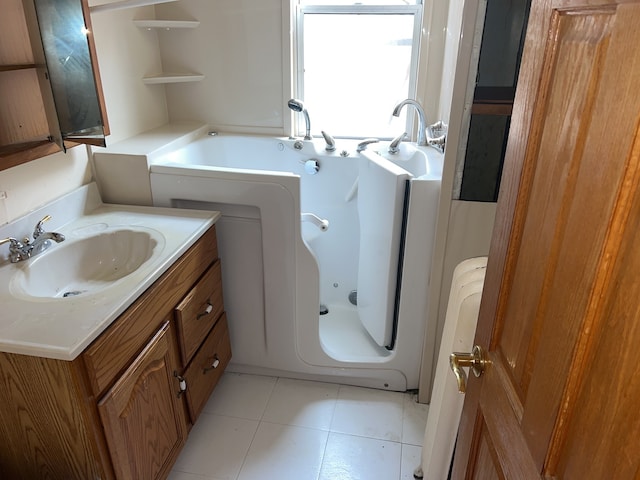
pixel 475 360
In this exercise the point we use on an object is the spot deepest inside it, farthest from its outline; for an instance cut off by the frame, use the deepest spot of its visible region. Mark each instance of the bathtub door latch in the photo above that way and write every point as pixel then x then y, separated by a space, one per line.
pixel 475 360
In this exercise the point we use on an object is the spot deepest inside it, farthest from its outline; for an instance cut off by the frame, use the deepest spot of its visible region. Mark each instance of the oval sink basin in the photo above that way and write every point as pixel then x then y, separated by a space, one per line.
pixel 418 161
pixel 87 265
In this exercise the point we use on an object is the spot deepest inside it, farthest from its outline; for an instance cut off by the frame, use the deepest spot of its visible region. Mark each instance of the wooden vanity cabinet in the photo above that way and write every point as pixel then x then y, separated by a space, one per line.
pixel 121 410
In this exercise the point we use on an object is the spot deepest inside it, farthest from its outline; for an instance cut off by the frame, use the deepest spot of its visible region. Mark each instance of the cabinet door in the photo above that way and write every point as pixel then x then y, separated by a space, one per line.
pixel 142 414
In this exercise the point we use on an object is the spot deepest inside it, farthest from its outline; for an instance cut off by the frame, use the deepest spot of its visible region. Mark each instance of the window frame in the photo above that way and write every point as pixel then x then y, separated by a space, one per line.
pixel 301 8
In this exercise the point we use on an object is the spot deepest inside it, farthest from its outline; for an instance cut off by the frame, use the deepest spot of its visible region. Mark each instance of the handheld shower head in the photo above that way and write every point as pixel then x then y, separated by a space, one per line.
pixel 298 106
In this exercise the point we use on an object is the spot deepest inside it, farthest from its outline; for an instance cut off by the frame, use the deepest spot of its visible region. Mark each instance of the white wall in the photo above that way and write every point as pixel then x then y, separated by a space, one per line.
pixel 126 53
pixel 239 48
pixel 29 186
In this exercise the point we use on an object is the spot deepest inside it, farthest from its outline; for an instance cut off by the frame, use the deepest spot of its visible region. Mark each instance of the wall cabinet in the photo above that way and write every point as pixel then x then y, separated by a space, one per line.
pixel 124 407
pixel 62 64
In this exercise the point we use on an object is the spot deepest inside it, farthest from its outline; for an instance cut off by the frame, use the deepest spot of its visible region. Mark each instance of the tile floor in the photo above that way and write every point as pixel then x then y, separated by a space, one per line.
pixel 267 428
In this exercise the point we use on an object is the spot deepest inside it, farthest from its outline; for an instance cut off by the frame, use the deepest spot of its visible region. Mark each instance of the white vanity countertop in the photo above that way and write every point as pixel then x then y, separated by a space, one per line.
pixel 61 328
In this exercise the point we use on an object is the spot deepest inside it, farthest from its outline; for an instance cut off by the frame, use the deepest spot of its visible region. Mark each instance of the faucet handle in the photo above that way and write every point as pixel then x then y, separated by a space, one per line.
pixel 394 145
pixel 363 144
pixel 38 230
pixel 331 143
pixel 15 248
pixel 14 242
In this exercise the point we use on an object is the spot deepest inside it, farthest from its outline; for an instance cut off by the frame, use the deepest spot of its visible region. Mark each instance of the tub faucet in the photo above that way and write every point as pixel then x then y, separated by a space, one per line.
pixel 331 143
pixel 363 144
pixel 25 249
pixel 298 106
pixel 422 122
pixel 394 146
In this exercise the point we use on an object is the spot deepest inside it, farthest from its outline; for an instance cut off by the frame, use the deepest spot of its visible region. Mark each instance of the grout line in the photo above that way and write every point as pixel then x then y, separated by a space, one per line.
pixel 324 455
pixel 246 454
pixel 266 404
pixel 259 420
pixel 333 410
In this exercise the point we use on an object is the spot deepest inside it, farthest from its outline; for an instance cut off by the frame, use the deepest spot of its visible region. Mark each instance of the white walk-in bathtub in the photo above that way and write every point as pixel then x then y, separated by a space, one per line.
pixel 325 257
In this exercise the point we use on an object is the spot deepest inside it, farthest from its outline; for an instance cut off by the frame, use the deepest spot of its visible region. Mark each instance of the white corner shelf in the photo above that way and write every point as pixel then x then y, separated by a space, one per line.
pixel 172 78
pixel 118 5
pixel 166 24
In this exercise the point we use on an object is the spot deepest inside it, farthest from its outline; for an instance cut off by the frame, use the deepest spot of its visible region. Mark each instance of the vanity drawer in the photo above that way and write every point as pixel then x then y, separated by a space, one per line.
pixel 207 367
pixel 198 311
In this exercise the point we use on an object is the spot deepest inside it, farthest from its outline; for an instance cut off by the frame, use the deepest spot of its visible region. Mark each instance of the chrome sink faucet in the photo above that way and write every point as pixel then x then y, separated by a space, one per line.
pixel 25 249
pixel 422 121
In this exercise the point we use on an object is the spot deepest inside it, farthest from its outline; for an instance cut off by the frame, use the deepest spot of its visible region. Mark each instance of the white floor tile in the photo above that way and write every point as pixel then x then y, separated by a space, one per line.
pixel 242 396
pixel 217 446
pixel 302 403
pixel 414 420
pixel 259 427
pixel 281 452
pixel 411 455
pixel 350 457
pixel 368 413
pixel 175 475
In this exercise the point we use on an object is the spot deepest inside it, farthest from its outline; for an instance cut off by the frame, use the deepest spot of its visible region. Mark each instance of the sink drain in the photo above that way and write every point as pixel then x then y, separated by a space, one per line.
pixel 73 293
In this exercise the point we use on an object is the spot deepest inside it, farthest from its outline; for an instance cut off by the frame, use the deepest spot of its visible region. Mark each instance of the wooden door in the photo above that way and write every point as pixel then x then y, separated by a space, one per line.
pixel 560 314
pixel 142 415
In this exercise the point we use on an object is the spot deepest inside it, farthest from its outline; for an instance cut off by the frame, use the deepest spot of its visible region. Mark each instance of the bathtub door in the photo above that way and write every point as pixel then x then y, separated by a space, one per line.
pixel 381 199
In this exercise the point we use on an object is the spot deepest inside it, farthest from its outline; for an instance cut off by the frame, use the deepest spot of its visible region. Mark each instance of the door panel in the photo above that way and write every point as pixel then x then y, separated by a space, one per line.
pixel 142 415
pixel 567 116
pixel 381 199
pixel 485 468
pixel 561 255
pixel 607 406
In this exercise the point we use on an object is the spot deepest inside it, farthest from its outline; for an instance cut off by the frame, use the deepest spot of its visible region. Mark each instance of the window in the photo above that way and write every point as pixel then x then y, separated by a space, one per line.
pixel 355 62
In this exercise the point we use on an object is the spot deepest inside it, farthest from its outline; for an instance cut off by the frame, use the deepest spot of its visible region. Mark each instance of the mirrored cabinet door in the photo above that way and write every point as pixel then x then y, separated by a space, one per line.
pixel 50 92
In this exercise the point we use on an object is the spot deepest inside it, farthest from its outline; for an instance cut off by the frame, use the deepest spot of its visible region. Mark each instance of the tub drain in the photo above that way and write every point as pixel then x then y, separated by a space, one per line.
pixel 353 297
pixel 323 310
